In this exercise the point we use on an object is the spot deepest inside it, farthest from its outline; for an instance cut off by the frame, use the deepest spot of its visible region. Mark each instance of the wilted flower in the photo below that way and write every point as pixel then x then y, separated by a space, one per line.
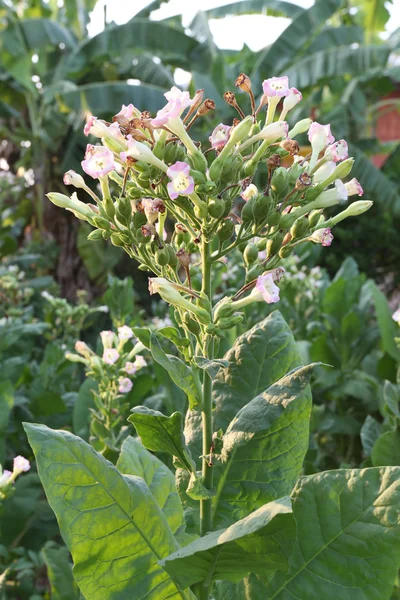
pixel 353 187
pixel 152 208
pixel 21 465
pixel 98 161
pixel 249 192
pixel 125 385
pixel 110 356
pixel 322 236
pixel 396 316
pixel 177 102
pixel 181 184
pixel 125 333
pixel 220 136
pixel 265 289
pixel 337 151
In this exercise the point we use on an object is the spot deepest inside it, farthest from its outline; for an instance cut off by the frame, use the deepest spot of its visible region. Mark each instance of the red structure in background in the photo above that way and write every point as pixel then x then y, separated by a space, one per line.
pixel 387 125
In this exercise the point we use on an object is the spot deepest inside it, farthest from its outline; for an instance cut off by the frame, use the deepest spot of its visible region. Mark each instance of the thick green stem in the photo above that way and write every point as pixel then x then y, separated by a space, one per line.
pixel 207 420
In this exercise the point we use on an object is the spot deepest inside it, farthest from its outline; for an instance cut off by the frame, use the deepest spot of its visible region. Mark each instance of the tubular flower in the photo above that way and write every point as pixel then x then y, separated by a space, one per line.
pixel 98 161
pixel 324 171
pixel 220 136
pixel 276 86
pixel 21 465
pixel 125 333
pixel 139 151
pixel 72 178
pixel 177 102
pixel 124 385
pixel 4 478
pixel 322 236
pixel 290 101
pixel 130 368
pixel 353 187
pixel 337 151
pixel 169 293
pixel 127 112
pixel 265 289
pixel 320 136
pixel 110 356
pixel 274 131
pixel 100 129
pixel 140 362
pixel 107 339
pixel 181 184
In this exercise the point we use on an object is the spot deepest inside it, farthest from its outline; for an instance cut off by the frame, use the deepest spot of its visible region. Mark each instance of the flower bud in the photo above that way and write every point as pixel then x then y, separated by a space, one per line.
pixel 250 254
pixel 80 209
pixel 72 178
pixel 95 235
pixel 353 210
pixel 299 228
pixel 169 293
pixel 216 208
pixel 322 236
pixel 225 230
pixel 279 182
pixel 162 256
pixel 300 127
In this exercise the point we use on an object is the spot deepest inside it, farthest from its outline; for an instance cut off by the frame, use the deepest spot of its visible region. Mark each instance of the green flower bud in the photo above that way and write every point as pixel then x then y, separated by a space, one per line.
pixel 250 254
pixel 274 218
pixel 247 210
pixel 300 127
pixel 287 220
pixel 254 272
pixel 191 324
pixel 108 206
pixel 225 230
pixel 228 323
pixel 198 161
pixel 223 309
pixel 314 217
pixel 261 207
pixel 124 211
pixel 106 234
pixel 169 292
pixel 134 192
pixel 172 258
pixel 274 245
pixel 215 170
pixel 279 182
pixel 216 208
pixel 96 234
pixel 101 223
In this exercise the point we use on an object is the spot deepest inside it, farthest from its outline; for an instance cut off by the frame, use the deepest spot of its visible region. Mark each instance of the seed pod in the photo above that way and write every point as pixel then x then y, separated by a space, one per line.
pixel 216 208
pixel 250 254
pixel 115 240
pixel 209 188
pixel 96 234
pixel 247 211
pixel 124 211
pixel 101 223
pixel 299 228
pixel 228 323
pixel 261 207
pixel 286 251
pixel 162 256
pixel 254 272
pixel 134 192
pixel 314 217
pixel 279 182
pixel 274 218
pixel 216 170
pixel 172 258
pixel 225 230
pixel 191 324
pixel 227 207
pixel 274 245
pixel 287 220
pixel 139 219
pixel 198 161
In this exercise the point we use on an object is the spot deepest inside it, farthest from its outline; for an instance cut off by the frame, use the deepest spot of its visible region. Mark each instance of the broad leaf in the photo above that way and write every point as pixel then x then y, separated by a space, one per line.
pixel 348 536
pixel 59 572
pixel 274 8
pixel 28 35
pixel 114 530
pixel 264 448
pixel 258 358
pixel 136 460
pixel 260 543
pixel 285 48
pixel 369 433
pixel 325 65
pixel 386 324
pixel 162 434
pixel 386 450
pixel 336 36
pixel 180 373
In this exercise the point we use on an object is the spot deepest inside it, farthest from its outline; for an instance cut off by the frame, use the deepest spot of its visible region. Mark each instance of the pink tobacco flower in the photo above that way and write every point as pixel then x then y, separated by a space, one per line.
pixel 110 356
pixel 72 178
pixel 320 134
pixel 276 86
pixel 181 184
pixel 177 102
pixel 125 333
pixel 353 187
pixel 125 385
pixel 337 151
pixel 21 464
pixel 290 101
pixel 130 368
pixel 265 289
pixel 4 478
pixel 322 236
pixel 98 161
pixel 127 112
pixel 220 136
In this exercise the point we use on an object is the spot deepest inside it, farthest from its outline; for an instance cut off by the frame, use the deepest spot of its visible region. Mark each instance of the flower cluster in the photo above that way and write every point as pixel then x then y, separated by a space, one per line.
pixel 7 478
pixel 171 198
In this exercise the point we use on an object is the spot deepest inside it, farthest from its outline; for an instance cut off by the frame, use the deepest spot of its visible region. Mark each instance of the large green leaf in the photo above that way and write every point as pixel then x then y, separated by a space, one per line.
pixel 258 358
pixel 113 528
pixel 325 65
pixel 28 35
pixel 104 98
pixel 275 8
pixel 162 434
pixel 386 450
pixel 386 324
pixel 136 36
pixel 284 49
pixel 136 460
pixel 59 573
pixel 264 448
pixel 336 36
pixel 348 536
pixel 260 543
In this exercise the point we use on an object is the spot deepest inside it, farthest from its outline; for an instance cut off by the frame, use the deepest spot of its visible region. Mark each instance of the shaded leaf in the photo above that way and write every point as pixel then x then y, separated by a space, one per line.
pixel 260 543
pixel 386 450
pixel 386 324
pixel 369 433
pixel 59 572
pixel 274 8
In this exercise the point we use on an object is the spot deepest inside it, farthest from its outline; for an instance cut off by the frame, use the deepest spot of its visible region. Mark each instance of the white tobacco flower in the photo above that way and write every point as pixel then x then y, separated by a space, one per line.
pixel 21 465
pixel 110 356
pixel 396 316
pixel 125 333
pixel 124 385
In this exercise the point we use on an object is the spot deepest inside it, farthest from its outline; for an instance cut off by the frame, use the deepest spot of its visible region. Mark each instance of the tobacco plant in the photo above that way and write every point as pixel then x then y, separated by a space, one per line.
pixel 237 520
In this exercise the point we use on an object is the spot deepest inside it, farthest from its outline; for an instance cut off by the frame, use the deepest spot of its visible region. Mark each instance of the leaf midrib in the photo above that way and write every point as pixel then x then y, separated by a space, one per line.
pixel 324 547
